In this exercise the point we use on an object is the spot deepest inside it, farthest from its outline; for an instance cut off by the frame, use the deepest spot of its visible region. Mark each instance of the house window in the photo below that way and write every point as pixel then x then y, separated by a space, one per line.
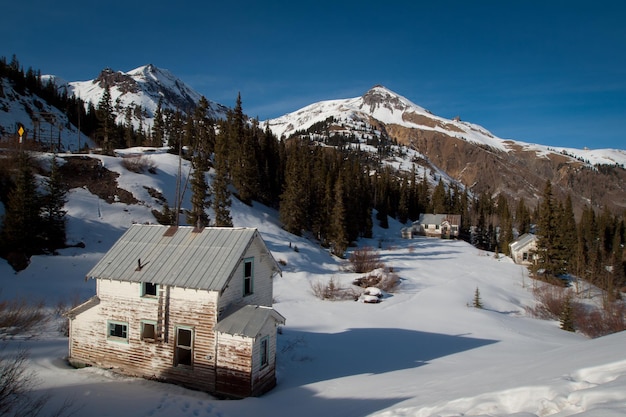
pixel 148 330
pixel 248 274
pixel 184 347
pixel 525 256
pixel 264 351
pixel 436 227
pixel 117 331
pixel 148 289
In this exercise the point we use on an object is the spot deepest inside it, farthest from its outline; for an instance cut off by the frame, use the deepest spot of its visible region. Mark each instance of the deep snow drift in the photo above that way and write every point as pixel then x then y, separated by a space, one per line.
pixel 422 351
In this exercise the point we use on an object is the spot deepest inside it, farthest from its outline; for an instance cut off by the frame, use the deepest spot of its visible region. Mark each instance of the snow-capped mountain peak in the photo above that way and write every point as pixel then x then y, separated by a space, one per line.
pixel 380 96
pixel 143 87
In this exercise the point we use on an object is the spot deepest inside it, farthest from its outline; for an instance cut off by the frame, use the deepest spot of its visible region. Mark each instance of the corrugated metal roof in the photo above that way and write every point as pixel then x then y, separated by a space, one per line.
pixel 523 241
pixel 187 258
pixel 248 321
pixel 425 218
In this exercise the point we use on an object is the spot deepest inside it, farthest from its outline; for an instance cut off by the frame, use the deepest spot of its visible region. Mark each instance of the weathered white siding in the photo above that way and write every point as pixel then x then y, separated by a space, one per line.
pixel 122 302
pixel 264 377
pixel 239 368
pixel 262 286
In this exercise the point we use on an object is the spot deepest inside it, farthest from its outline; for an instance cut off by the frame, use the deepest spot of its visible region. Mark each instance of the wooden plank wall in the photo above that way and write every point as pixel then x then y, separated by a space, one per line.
pixel 121 301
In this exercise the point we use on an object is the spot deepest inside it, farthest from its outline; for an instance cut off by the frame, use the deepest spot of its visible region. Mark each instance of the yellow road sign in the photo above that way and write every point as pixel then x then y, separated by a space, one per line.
pixel 20 131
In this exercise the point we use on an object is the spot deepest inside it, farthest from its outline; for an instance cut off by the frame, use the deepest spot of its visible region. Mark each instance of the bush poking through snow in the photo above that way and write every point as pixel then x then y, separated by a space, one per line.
pixel 18 316
pixel 139 164
pixel 557 303
pixel 332 291
pixel 386 280
pixel 365 260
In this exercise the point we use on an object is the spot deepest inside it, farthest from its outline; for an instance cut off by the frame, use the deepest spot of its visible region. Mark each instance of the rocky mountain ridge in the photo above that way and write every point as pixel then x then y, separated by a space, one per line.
pixel 466 152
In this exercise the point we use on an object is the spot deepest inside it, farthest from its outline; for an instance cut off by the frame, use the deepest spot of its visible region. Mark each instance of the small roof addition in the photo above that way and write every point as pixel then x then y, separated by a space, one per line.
pixel 248 321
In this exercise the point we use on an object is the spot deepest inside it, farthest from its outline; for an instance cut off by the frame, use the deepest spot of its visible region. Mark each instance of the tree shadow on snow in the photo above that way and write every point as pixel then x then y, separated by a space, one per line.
pixel 322 356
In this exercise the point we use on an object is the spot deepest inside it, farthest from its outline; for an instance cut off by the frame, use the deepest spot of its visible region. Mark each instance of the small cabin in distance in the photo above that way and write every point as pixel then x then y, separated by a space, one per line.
pixel 523 250
pixel 444 226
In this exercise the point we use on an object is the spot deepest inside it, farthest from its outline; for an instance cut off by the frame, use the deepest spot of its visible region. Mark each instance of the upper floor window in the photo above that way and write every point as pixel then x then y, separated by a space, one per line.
pixel 149 289
pixel 248 276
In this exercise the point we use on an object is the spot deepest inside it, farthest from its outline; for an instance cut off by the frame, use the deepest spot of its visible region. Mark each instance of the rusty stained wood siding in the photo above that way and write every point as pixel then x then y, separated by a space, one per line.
pixel 262 286
pixel 122 302
pixel 239 370
pixel 234 365
pixel 264 377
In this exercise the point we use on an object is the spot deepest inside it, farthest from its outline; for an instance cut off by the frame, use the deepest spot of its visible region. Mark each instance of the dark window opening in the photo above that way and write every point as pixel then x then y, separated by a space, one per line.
pixel 184 351
pixel 148 331
pixel 264 351
pixel 149 289
pixel 247 278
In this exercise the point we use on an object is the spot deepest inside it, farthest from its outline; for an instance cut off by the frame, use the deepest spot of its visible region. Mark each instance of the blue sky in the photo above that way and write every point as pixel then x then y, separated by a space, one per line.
pixel 548 72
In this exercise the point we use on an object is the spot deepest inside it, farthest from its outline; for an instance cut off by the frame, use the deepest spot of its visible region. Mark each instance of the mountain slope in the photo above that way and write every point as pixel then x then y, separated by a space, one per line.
pixel 143 87
pixel 420 352
pixel 468 153
pixel 457 150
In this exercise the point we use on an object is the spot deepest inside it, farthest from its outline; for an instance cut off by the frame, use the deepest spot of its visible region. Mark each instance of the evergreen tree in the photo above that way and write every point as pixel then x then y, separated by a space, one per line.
pixel 53 213
pixel 106 120
pixel 200 198
pixel 338 234
pixel 129 134
pixel 568 235
pixel 158 128
pixel 505 236
pixel 21 217
pixel 221 194
pixel 477 301
pixel 439 198
pixel 522 218
pixel 244 144
pixel 294 199
pixel 549 245
pixel 566 318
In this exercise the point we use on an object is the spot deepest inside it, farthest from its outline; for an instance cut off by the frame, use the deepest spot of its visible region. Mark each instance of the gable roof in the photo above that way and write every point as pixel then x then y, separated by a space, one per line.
pixel 178 256
pixel 523 241
pixel 426 218
pixel 248 321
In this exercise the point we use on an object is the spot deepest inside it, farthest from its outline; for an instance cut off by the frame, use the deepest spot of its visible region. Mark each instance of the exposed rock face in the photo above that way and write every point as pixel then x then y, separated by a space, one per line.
pixel 468 153
pixel 124 82
pixel 519 173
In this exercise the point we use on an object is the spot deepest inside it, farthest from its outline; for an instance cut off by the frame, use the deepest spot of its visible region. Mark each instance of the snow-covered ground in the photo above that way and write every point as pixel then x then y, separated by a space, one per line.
pixel 422 351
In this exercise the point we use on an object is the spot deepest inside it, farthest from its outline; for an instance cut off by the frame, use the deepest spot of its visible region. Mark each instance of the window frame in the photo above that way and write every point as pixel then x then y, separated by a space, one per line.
pixel 190 348
pixel 248 281
pixel 115 338
pixel 145 294
pixel 264 352
pixel 150 323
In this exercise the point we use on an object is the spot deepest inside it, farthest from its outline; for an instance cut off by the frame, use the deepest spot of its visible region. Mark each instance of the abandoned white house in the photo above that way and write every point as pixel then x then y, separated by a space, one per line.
pixel 183 305
pixel 523 249
pixel 434 225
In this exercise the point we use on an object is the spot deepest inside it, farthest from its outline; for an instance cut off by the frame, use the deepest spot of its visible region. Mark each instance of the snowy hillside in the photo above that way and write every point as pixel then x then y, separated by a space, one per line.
pixel 390 108
pixel 421 352
pixel 143 87
pixel 43 122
